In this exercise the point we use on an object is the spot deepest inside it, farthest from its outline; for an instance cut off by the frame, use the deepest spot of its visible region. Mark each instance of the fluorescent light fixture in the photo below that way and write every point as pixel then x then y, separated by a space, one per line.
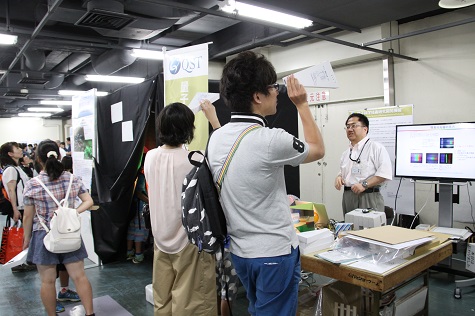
pixel 259 13
pixel 147 54
pixel 33 109
pixel 76 92
pixel 56 102
pixel 455 4
pixel 119 79
pixel 6 39
pixel 37 114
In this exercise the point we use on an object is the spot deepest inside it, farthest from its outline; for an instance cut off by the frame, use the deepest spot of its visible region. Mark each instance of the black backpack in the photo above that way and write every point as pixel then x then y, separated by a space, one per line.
pixel 202 215
pixel 6 207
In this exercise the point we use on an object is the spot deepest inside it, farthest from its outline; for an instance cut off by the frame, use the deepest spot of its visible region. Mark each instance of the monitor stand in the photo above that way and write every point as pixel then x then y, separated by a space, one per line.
pixel 446 210
pixel 446 207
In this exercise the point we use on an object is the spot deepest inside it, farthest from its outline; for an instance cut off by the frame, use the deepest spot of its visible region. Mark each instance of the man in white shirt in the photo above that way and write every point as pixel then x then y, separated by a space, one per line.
pixel 364 166
pixel 62 151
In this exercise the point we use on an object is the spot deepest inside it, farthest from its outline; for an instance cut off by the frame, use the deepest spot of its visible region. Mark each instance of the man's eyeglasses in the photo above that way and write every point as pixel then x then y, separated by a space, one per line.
pixel 275 86
pixel 352 126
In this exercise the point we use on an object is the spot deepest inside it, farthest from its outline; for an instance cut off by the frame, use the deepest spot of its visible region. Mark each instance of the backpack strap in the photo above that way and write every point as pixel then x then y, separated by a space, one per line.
pixel 64 201
pixel 224 168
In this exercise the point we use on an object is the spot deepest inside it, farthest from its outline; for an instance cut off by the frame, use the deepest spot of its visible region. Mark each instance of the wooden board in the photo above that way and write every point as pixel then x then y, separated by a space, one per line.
pixel 391 234
pixel 375 281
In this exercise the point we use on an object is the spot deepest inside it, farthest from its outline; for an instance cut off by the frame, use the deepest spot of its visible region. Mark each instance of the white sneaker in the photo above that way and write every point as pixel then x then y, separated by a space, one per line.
pixel 77 311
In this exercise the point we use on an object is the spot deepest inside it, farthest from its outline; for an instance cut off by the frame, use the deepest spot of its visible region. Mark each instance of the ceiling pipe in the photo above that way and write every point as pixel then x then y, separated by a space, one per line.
pixel 64 68
pixel 431 29
pixel 112 61
pixel 81 79
pixel 54 81
pixel 109 62
pixel 277 26
pixel 35 33
pixel 34 59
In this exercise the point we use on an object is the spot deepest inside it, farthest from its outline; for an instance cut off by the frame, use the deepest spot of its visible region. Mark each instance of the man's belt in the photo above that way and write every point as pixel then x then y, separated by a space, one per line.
pixel 370 190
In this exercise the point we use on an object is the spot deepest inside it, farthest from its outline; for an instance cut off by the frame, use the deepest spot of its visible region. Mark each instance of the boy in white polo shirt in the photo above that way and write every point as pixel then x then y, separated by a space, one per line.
pixel 264 246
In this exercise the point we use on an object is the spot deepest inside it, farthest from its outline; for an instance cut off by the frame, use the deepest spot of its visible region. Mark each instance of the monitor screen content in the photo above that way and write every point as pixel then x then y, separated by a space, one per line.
pixel 436 151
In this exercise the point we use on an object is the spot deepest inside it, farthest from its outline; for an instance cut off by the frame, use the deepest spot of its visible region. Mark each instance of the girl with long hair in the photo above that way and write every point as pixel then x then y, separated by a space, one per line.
pixel 13 178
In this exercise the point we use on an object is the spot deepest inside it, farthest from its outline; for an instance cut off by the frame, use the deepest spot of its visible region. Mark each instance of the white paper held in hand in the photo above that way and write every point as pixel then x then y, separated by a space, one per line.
pixel 318 76
pixel 195 102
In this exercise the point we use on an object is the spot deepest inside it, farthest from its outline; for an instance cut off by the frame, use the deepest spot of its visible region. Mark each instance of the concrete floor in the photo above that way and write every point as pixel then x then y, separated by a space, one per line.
pixel 125 282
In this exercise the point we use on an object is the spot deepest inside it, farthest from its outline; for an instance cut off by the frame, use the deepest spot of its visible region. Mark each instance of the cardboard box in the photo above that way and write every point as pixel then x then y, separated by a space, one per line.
pixel 341 298
pixel 361 218
pixel 470 262
pixel 317 210
pixel 392 234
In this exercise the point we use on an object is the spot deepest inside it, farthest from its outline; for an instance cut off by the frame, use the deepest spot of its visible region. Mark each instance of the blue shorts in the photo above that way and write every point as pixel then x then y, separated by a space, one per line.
pixel 271 283
pixel 136 230
pixel 38 254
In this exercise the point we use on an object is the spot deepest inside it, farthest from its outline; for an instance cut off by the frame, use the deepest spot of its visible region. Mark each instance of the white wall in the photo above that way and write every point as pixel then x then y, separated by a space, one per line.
pixel 439 84
pixel 30 130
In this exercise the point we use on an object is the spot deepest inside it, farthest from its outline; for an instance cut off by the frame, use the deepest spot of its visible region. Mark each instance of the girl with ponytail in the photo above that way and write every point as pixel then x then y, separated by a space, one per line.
pixel 38 202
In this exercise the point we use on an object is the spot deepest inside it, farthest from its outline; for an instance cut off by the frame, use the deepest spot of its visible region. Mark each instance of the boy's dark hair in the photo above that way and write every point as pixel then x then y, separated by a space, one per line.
pixel 67 162
pixel 244 75
pixel 175 124
pixel 361 117
pixel 53 167
pixel 5 158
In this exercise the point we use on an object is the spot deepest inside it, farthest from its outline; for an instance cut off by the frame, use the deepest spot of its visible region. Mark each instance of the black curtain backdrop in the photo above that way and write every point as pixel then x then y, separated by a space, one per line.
pixel 117 165
pixel 285 118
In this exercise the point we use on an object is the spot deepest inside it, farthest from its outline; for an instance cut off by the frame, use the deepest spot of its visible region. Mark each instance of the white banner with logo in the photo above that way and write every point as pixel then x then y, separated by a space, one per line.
pixel 185 75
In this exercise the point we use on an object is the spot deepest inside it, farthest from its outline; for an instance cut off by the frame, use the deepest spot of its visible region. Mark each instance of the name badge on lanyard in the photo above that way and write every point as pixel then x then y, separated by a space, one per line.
pixel 356 170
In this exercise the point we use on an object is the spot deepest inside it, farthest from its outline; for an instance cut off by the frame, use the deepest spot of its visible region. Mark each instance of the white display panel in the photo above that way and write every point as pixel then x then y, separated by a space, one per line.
pixel 436 151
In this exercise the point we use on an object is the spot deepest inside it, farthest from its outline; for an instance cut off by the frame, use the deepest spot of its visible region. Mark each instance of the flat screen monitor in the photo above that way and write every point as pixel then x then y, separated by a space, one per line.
pixel 436 151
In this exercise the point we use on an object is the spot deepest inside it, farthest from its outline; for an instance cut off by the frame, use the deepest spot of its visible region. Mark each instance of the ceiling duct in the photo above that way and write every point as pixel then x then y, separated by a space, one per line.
pixel 34 59
pixel 15 94
pixel 54 81
pixel 105 14
pixel 115 59
pixel 27 80
pixel 109 62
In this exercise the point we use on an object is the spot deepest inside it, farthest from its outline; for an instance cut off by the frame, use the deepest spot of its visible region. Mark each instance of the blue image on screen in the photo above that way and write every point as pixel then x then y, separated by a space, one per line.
pixel 445 159
pixel 447 142
pixel 432 158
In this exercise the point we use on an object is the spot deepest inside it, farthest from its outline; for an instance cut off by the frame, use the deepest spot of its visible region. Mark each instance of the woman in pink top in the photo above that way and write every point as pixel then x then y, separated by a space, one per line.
pixel 184 281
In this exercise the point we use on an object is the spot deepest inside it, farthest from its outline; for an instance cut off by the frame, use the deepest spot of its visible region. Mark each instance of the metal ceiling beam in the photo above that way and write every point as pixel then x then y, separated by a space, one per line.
pixel 277 26
pixel 431 29
pixel 36 31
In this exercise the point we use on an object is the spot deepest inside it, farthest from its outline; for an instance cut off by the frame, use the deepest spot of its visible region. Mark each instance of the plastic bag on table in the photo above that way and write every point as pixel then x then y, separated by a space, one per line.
pixel 354 247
